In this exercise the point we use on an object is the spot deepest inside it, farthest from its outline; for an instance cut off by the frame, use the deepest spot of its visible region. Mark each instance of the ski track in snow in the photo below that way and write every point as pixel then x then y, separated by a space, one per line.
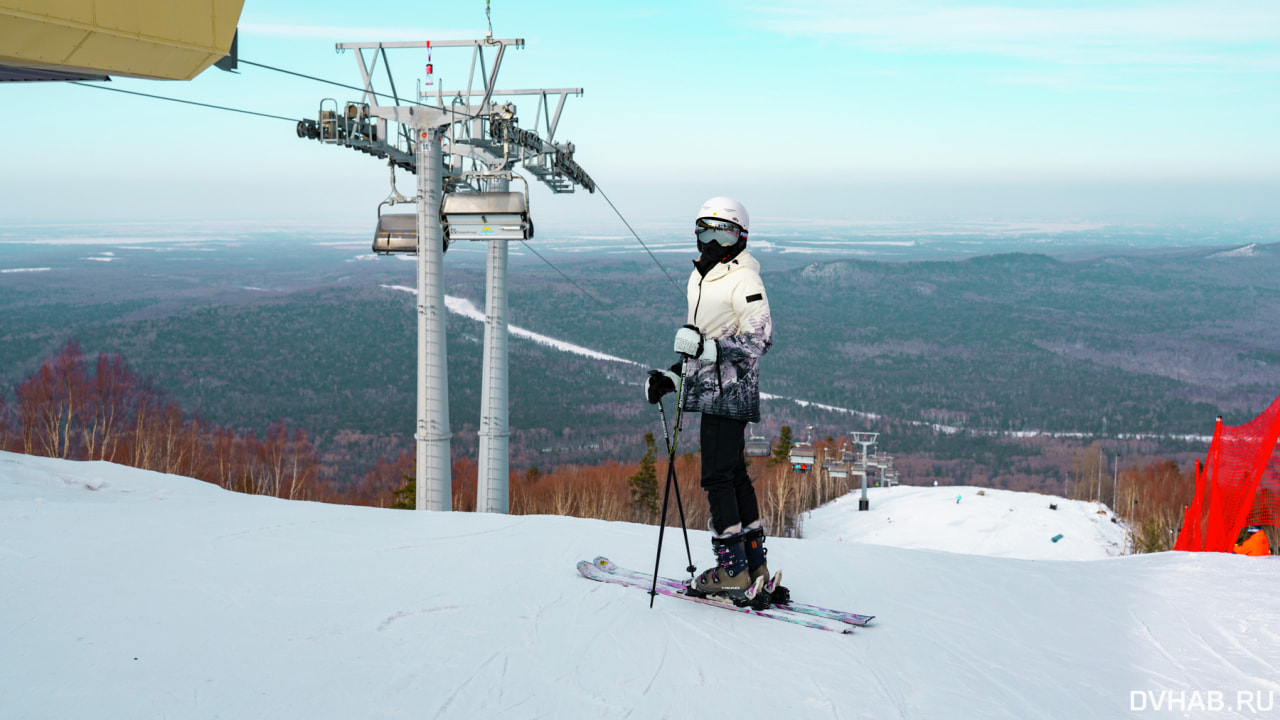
pixel 467 309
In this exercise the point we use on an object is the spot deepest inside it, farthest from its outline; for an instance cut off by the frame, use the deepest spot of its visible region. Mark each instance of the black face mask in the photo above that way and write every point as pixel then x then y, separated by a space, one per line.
pixel 713 253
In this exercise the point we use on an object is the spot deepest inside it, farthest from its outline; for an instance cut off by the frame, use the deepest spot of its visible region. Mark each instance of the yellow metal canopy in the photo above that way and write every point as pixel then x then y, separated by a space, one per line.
pixel 159 39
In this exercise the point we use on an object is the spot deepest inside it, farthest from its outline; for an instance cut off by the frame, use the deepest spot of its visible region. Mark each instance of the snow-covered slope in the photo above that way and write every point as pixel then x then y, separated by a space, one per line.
pixel 983 521
pixel 127 594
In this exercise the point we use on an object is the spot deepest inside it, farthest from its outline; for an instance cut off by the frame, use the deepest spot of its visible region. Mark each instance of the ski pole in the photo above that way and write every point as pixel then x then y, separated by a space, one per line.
pixel 671 466
pixel 666 493
pixel 662 528
pixel 671 472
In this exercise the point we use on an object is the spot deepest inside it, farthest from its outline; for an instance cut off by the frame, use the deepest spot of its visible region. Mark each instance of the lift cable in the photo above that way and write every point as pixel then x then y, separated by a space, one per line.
pixel 186 102
pixel 571 282
pixel 646 247
pixel 674 284
pixel 319 79
pixel 562 274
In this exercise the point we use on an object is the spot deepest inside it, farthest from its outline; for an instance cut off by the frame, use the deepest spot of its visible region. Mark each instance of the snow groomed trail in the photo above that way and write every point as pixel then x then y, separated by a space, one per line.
pixel 127 594
pixel 972 521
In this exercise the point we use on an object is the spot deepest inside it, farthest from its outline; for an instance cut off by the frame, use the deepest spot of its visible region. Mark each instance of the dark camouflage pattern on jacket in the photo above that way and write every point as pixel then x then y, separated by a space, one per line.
pixel 732 302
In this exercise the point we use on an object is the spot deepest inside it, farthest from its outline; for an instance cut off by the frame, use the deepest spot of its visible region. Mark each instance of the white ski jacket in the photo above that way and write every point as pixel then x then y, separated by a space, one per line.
pixel 730 307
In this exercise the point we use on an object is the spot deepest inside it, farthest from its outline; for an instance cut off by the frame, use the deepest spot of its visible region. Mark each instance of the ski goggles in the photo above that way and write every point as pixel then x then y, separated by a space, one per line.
pixel 721 232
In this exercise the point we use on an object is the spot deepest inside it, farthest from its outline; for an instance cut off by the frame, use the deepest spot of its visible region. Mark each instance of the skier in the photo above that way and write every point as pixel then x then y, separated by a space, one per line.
pixel 728 329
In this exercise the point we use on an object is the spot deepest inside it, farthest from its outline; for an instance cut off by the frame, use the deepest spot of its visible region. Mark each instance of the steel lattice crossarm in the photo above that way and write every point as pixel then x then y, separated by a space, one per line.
pixel 552 163
pixel 474 125
pixel 464 146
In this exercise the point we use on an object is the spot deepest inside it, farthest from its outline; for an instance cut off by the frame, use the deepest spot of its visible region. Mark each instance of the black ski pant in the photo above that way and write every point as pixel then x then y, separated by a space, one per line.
pixel 724 472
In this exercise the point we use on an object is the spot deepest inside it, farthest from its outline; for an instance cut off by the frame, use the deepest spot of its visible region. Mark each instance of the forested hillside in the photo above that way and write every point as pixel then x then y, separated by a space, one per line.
pixel 1019 342
pixel 283 329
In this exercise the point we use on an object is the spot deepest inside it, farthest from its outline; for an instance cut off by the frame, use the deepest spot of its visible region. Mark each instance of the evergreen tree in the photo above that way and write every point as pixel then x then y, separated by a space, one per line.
pixel 782 451
pixel 644 484
pixel 406 497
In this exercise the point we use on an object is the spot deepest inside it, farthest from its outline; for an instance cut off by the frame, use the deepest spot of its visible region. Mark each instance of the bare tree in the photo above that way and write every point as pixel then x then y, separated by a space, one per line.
pixel 225 461
pixel 1087 466
pixel 48 403
pixel 112 393
pixel 303 467
pixel 1152 500
pixel 172 450
pixel 156 425
pixel 5 431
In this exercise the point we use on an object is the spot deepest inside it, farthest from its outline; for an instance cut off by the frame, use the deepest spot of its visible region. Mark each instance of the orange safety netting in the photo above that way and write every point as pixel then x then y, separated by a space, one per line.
pixel 1237 486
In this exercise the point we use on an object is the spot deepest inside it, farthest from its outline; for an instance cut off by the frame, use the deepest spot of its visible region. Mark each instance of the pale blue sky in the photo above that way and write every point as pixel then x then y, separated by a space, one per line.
pixel 826 110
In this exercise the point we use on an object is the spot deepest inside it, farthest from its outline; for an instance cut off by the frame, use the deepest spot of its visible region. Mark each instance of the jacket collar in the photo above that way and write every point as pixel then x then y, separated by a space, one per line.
pixel 744 259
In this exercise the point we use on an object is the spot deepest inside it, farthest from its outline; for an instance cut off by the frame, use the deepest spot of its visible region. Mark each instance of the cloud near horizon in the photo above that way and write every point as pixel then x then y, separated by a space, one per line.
pixel 1218 36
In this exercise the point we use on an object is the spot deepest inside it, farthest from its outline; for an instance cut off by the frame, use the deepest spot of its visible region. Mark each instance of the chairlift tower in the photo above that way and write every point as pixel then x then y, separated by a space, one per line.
pixel 866 440
pixel 434 137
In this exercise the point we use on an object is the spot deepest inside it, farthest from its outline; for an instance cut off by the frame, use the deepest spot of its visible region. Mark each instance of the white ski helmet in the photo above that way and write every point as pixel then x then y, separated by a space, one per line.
pixel 723 208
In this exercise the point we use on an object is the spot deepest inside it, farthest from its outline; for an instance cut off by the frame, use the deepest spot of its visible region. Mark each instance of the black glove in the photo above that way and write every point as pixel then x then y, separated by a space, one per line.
pixel 661 382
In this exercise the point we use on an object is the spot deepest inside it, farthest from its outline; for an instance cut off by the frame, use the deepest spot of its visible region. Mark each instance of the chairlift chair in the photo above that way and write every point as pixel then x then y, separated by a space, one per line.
pixel 802 459
pixel 486 216
pixel 398 233
pixel 464 215
pixel 328 121
pixel 758 446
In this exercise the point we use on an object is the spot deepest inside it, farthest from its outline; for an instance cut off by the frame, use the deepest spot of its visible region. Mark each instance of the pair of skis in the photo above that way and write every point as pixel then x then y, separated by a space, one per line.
pixel 820 618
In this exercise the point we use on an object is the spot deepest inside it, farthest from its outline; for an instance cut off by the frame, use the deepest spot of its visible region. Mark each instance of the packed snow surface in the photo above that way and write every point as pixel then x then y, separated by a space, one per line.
pixel 130 594
pixel 974 521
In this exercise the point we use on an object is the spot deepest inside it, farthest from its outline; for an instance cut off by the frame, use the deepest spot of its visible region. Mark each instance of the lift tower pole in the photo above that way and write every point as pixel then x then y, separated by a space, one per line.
pixel 434 481
pixel 866 440
pixel 432 137
pixel 492 493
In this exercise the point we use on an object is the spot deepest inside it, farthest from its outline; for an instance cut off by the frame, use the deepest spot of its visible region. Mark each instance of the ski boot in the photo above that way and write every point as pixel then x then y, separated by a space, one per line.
pixel 758 567
pixel 729 580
